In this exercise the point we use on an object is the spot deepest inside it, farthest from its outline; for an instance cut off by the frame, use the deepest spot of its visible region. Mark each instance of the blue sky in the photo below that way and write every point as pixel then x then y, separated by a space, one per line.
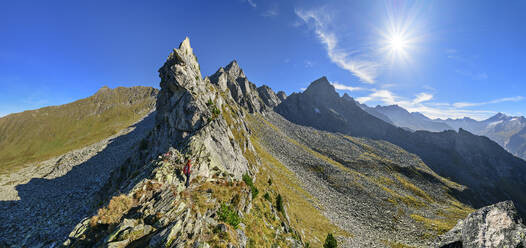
pixel 442 58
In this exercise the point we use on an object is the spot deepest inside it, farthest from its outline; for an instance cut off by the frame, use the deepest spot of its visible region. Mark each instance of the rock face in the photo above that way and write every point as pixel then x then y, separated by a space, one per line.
pixel 282 95
pixel 268 96
pixel 244 92
pixel 474 161
pixel 497 225
pixel 189 111
pixel 181 83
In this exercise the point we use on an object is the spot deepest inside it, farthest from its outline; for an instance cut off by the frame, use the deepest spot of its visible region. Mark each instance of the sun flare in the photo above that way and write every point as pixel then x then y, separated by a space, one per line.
pixel 400 38
pixel 397 43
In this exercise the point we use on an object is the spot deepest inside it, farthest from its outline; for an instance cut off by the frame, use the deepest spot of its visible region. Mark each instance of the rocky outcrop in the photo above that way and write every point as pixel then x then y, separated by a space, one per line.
pixel 268 96
pixel 497 225
pixel 189 114
pixel 195 121
pixel 282 95
pixel 244 92
pixel 182 102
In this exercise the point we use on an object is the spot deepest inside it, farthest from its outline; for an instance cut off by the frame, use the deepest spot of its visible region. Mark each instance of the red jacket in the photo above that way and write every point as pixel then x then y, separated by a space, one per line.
pixel 187 168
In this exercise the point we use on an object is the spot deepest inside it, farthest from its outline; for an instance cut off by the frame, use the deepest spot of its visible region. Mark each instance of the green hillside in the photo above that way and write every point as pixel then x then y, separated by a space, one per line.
pixel 41 134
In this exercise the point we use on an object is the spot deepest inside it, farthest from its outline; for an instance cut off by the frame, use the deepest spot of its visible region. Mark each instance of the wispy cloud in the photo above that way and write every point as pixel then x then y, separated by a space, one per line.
pixel 422 97
pixel 361 68
pixel 421 103
pixel 272 11
pixel 500 100
pixel 339 86
pixel 251 3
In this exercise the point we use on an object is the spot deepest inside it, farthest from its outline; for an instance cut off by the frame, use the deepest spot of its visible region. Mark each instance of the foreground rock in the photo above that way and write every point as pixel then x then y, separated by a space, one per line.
pixel 497 225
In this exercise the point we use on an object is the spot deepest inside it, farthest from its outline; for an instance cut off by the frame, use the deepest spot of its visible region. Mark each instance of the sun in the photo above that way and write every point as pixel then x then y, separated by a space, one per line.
pixel 397 43
pixel 399 39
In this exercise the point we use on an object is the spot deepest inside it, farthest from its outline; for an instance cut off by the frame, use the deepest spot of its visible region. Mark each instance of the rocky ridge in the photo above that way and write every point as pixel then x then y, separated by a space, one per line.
pixel 244 92
pixel 55 130
pixel 195 120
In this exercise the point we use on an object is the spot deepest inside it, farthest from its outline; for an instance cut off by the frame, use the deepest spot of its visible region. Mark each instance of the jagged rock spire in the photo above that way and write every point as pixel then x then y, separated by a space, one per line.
pixel 244 92
pixel 183 96
pixel 181 69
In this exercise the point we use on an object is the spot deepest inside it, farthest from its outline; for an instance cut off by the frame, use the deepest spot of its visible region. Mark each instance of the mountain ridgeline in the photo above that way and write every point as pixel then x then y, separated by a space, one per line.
pixel 270 170
pixel 37 135
pixel 491 173
pixel 507 131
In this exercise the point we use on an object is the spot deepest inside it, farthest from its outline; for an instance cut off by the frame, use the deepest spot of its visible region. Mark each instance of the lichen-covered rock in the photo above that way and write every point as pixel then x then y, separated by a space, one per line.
pixel 497 225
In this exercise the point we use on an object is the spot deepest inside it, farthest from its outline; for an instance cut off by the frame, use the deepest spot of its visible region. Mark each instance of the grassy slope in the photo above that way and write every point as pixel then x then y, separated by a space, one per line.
pixel 41 134
pixel 433 213
pixel 301 207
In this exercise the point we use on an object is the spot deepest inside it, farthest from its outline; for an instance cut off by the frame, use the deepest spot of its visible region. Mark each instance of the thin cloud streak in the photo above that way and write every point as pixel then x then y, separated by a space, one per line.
pixel 420 103
pixel 339 86
pixel 273 11
pixel 473 104
pixel 252 3
pixel 363 69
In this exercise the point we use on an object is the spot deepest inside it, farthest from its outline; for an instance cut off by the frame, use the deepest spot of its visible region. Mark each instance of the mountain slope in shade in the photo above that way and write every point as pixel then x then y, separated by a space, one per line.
pixel 40 134
pixel 491 173
pixel 507 131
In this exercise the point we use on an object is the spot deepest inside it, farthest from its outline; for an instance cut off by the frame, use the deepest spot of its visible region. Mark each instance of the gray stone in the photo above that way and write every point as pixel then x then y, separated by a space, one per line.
pixel 497 225
pixel 268 96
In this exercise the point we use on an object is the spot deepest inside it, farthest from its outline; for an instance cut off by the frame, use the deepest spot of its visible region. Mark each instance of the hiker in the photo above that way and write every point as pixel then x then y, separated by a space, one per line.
pixel 187 171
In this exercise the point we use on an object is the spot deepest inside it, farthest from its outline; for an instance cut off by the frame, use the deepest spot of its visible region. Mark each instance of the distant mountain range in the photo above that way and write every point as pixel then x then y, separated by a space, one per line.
pixel 508 131
pixel 402 118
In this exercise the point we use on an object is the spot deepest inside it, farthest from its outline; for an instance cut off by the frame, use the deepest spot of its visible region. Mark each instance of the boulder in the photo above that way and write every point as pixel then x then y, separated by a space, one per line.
pixel 498 225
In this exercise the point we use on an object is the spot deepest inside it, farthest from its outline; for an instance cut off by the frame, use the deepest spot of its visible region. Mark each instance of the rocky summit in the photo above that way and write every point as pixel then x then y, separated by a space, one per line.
pixel 268 170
